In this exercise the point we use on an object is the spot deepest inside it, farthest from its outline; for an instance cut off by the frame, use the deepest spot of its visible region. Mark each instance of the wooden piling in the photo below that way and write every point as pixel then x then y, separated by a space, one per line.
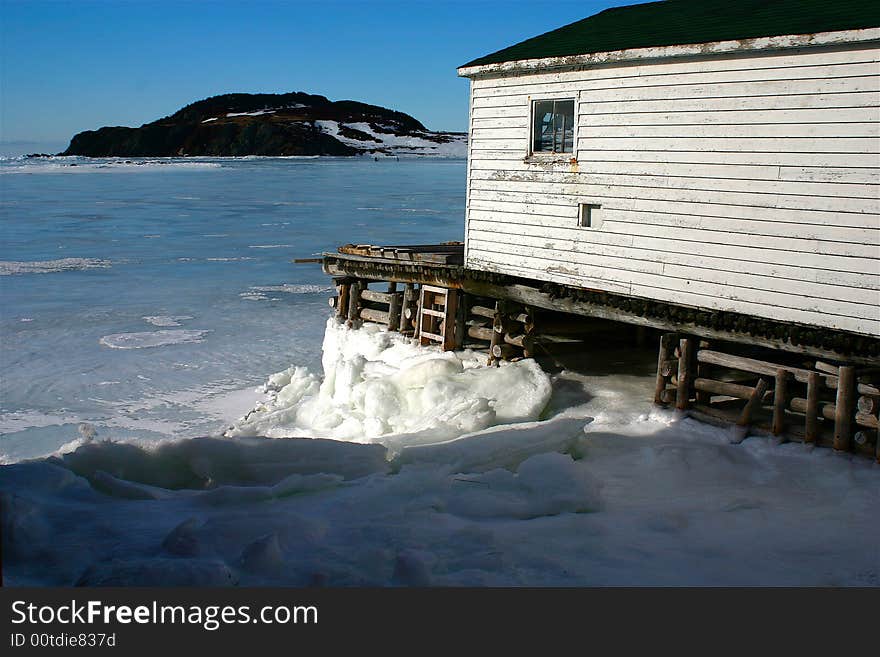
pixel 407 314
pixel 683 390
pixel 342 300
pixel 811 411
pixel 354 302
pixel 666 341
pixel 394 308
pixel 845 405
pixel 780 395
pixel 496 336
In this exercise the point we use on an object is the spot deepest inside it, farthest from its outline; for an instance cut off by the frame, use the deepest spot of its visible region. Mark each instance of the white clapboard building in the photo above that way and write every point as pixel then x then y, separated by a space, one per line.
pixel 720 155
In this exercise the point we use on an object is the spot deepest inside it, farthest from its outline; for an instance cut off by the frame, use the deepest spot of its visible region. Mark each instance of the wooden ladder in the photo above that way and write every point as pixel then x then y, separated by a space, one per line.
pixel 438 308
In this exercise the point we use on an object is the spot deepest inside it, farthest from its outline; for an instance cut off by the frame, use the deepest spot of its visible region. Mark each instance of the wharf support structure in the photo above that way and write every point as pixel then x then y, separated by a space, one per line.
pixel 790 381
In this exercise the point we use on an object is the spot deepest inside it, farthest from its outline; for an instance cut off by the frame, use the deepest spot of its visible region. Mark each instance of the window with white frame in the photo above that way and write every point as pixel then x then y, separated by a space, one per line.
pixel 553 126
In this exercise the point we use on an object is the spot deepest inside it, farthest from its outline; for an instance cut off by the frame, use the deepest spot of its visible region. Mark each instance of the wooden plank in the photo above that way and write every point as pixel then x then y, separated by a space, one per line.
pixel 816 196
pixel 615 241
pixel 710 116
pixel 739 69
pixel 588 144
pixel 637 279
pixel 818 225
pixel 722 131
pixel 770 104
pixel 517 263
pixel 637 172
pixel 635 89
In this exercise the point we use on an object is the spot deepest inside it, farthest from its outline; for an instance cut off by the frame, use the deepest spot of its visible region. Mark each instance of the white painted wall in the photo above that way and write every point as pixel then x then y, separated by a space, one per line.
pixel 743 182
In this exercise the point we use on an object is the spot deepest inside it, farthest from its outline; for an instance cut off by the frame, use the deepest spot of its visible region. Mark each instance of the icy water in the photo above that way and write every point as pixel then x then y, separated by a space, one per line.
pixel 149 297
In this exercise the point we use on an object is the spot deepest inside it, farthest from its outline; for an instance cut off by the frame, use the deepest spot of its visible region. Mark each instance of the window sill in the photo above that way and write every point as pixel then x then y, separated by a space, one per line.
pixel 550 158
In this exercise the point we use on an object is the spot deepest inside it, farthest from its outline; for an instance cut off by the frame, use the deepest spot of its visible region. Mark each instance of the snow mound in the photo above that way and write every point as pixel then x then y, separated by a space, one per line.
pixel 378 387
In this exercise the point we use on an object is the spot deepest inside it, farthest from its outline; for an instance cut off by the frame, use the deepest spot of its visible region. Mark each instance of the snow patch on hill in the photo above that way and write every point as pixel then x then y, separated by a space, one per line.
pixel 431 144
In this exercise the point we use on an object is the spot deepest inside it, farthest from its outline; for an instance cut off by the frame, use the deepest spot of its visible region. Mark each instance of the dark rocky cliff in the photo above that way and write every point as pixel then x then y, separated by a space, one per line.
pixel 268 124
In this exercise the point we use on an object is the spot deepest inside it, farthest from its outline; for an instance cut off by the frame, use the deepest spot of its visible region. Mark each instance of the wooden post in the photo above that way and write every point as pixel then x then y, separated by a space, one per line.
pixel 406 323
pixel 342 301
pixel 417 330
pixel 741 430
pixel 665 347
pixel 702 371
pixel 685 359
pixel 394 323
pixel 780 396
pixel 845 404
pixel 461 318
pixel 451 323
pixel 497 337
pixel 354 302
pixel 811 426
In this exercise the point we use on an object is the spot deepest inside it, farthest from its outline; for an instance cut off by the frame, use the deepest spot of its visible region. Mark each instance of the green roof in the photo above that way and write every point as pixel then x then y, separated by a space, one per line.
pixel 676 22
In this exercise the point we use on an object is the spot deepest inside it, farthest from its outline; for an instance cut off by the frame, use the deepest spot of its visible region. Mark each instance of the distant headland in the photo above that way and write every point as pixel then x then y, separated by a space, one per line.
pixel 272 125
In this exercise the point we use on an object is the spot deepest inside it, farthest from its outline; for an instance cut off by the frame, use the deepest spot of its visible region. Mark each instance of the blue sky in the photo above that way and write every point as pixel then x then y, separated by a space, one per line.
pixel 77 65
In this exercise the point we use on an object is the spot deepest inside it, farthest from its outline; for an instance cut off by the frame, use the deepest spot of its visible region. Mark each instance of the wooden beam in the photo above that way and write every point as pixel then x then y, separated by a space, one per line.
pixel 477 283
pixel 372 315
pixel 377 297
pixel 745 417
pixel 723 388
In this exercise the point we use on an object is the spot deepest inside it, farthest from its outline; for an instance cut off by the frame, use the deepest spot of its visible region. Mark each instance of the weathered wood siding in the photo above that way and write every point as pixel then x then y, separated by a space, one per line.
pixel 742 183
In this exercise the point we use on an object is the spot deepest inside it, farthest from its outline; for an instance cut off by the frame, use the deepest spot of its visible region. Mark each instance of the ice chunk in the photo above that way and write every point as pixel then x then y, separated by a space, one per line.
pixel 378 387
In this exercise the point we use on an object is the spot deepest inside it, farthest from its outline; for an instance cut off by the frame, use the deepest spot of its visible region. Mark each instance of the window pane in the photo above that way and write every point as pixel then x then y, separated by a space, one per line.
pixel 542 131
pixel 553 126
pixel 564 113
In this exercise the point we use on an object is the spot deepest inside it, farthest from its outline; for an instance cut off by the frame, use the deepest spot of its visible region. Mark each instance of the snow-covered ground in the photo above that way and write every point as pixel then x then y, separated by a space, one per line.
pixel 428 144
pixel 444 472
